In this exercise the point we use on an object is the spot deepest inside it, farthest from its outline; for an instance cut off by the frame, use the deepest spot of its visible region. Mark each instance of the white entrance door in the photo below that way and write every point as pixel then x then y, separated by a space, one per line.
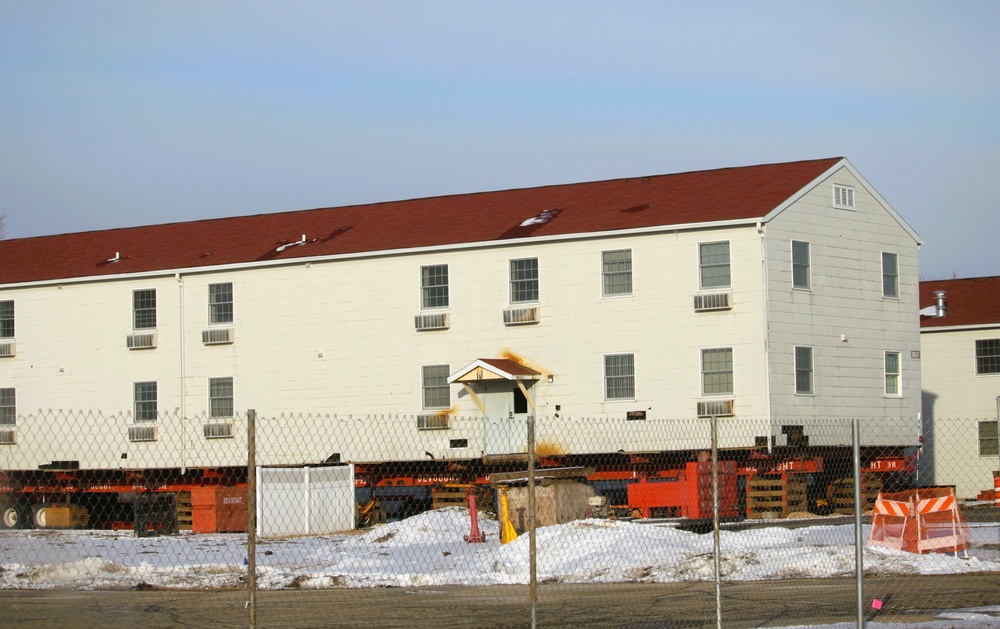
pixel 506 422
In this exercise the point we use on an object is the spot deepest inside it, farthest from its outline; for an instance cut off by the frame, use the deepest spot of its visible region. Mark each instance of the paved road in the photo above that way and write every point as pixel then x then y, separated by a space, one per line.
pixel 639 606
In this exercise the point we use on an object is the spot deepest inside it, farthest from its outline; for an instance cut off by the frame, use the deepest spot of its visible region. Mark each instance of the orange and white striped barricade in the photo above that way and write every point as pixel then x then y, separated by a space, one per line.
pixel 939 521
pixel 893 522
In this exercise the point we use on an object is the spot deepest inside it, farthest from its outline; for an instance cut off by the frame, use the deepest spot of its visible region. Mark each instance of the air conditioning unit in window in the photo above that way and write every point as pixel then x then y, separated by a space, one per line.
pixel 218 336
pixel 218 430
pixel 715 408
pixel 713 301
pixel 8 437
pixel 142 433
pixel 141 341
pixel 436 321
pixel 432 422
pixel 521 316
pixel 7 350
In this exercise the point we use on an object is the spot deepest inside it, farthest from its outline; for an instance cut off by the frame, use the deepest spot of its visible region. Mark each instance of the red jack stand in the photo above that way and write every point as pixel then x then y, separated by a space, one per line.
pixel 474 536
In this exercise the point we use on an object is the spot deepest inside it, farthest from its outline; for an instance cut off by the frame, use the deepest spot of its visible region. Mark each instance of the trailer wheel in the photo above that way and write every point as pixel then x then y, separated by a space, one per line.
pixel 12 517
pixel 38 515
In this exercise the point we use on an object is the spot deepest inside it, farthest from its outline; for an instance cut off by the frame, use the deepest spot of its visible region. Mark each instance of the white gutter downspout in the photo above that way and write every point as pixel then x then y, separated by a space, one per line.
pixel 182 372
pixel 766 332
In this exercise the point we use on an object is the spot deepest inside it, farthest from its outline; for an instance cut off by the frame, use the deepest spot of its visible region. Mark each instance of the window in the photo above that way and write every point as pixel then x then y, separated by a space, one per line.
pixel 717 371
pixel 220 303
pixel 7 319
pixel 436 390
pixel 713 264
pixel 988 442
pixel 619 377
pixel 523 280
pixel 617 272
pixel 987 356
pixel 843 197
pixel 145 401
pixel 800 265
pixel 434 286
pixel 144 309
pixel 220 398
pixel 892 385
pixel 890 275
pixel 8 407
pixel 804 370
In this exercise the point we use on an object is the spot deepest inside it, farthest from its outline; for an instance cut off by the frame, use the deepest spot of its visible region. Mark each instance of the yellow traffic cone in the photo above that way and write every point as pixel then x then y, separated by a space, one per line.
pixel 507 532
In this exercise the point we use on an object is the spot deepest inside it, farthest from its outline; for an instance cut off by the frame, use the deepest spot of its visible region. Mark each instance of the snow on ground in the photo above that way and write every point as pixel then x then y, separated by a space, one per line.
pixel 429 550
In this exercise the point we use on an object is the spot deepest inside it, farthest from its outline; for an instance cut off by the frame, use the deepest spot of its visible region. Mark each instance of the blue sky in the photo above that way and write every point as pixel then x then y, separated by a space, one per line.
pixel 118 113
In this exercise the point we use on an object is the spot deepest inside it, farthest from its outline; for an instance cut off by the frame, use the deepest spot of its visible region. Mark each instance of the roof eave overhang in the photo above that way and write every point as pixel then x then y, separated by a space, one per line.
pixel 486 244
pixel 473 373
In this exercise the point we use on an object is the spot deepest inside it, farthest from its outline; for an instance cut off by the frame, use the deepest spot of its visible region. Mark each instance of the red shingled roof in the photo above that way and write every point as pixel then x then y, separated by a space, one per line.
pixel 970 301
pixel 618 204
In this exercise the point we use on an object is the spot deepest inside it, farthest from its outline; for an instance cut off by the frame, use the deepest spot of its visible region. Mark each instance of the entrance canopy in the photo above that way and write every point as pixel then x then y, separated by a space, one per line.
pixel 495 370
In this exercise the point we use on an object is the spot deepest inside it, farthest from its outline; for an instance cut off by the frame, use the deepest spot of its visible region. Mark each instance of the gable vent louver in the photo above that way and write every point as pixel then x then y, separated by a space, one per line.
pixel 843 197
pixel 218 336
pixel 436 321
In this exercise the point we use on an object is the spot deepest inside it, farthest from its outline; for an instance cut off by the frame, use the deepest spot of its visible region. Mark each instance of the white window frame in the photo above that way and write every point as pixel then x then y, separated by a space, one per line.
pixel 799 264
pixel 703 266
pixel 221 398
pixel 991 451
pixel 619 377
pixel 893 379
pixel 888 255
pixel 218 313
pixel 520 285
pixel 432 289
pixel 616 272
pixel 705 373
pixel 843 196
pixel 807 371
pixel 431 385
pixel 145 402
pixel 141 313
pixel 8 406
pixel 7 319
pixel 983 358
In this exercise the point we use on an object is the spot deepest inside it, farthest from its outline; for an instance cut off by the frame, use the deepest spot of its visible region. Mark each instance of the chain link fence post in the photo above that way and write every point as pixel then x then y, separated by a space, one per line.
pixel 859 560
pixel 716 550
pixel 532 565
pixel 252 518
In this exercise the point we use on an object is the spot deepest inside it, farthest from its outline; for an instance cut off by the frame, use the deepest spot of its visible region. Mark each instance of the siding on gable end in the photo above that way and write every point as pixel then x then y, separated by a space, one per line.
pixel 845 299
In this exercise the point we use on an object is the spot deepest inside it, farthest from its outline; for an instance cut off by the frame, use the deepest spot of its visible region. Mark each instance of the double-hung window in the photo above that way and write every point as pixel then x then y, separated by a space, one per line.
pixel 145 401
pixel 617 272
pixel 713 265
pixel 7 319
pixel 220 398
pixel 434 286
pixel 619 377
pixel 144 309
pixel 524 280
pixel 220 303
pixel 800 265
pixel 893 386
pixel 988 442
pixel 987 356
pixel 435 387
pixel 717 371
pixel 804 370
pixel 8 407
pixel 890 275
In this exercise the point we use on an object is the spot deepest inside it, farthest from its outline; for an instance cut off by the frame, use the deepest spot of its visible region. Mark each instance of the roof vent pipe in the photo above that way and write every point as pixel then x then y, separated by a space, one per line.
pixel 940 305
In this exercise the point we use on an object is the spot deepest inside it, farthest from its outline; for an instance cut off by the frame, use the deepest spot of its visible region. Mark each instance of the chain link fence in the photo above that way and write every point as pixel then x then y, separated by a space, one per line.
pixel 444 521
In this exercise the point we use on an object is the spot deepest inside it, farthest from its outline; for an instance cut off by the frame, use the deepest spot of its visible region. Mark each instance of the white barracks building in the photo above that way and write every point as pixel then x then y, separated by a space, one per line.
pixel 775 296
